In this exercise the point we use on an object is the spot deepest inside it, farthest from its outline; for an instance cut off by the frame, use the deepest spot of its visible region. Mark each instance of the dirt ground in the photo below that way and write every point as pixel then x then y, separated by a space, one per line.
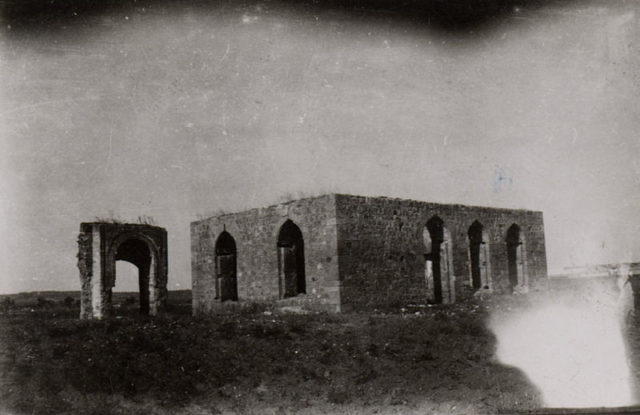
pixel 255 359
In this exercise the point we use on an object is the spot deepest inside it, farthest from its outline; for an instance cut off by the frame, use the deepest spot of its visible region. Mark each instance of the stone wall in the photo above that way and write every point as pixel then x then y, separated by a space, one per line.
pixel 381 249
pixel 85 266
pixel 362 252
pixel 255 233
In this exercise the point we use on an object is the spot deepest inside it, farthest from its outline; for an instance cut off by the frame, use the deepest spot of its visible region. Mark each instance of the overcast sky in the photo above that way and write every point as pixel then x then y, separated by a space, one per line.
pixel 176 112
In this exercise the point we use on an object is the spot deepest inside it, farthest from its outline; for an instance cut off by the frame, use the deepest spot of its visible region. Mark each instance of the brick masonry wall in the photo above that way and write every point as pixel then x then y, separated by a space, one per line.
pixel 256 233
pixel 381 249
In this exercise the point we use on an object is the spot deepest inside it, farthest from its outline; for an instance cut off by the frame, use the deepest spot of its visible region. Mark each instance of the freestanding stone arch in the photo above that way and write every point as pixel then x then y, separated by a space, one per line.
pixel 101 244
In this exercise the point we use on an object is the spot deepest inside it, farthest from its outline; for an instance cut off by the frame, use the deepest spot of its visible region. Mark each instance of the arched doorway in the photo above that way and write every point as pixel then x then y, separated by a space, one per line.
pixel 479 256
pixel 437 241
pixel 136 252
pixel 291 260
pixel 515 257
pixel 226 276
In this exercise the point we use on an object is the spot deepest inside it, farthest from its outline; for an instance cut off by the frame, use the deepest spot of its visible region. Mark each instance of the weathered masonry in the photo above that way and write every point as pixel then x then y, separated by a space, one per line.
pixel 101 244
pixel 339 252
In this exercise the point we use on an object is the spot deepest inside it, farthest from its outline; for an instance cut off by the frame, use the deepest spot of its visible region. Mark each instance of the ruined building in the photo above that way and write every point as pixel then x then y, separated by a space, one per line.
pixel 101 244
pixel 340 252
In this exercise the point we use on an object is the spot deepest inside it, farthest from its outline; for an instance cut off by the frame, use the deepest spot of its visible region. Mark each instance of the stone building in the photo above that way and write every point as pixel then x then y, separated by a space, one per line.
pixel 101 244
pixel 339 252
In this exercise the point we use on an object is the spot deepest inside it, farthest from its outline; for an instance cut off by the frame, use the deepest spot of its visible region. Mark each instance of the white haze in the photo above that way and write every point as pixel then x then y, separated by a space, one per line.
pixel 573 351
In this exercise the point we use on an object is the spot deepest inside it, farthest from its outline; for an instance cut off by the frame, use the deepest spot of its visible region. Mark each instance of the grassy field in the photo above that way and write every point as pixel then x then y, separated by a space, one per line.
pixel 252 359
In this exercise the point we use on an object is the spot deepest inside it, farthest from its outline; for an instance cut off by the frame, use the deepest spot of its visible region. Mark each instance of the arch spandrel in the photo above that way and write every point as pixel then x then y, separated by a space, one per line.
pixel 128 235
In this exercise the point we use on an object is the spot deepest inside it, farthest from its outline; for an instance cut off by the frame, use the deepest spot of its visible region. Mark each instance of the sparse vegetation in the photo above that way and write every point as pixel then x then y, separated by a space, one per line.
pixel 7 304
pixel 211 214
pixel 252 360
pixel 146 220
pixel 283 198
pixel 290 196
pixel 111 218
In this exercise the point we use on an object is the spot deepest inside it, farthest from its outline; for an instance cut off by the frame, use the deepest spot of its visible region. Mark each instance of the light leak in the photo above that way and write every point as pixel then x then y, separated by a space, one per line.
pixel 574 353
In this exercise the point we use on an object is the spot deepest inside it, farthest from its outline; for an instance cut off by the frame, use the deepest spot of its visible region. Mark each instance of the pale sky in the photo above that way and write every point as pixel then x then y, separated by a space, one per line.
pixel 179 111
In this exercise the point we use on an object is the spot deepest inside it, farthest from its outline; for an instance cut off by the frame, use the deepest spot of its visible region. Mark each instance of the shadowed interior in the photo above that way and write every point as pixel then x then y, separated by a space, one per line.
pixel 137 252
pixel 291 260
